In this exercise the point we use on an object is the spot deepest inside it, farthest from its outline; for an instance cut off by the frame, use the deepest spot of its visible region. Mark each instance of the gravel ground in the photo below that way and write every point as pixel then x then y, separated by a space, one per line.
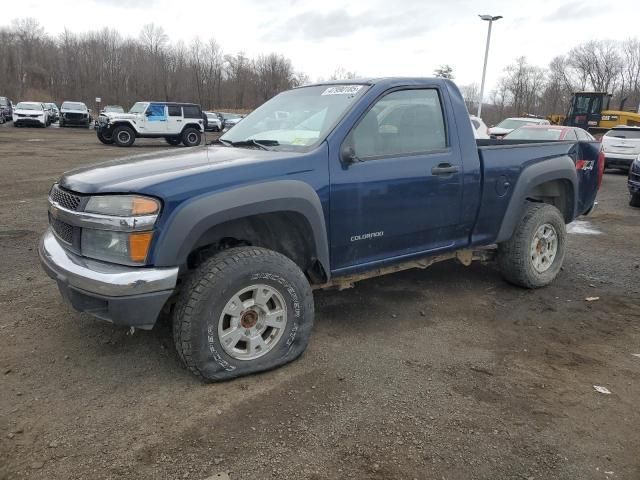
pixel 446 373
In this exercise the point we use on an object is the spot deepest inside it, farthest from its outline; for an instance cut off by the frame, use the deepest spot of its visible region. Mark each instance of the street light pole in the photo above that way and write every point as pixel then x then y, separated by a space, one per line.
pixel 490 19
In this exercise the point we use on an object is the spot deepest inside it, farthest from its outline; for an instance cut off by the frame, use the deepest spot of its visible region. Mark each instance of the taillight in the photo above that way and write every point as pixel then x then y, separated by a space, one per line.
pixel 601 162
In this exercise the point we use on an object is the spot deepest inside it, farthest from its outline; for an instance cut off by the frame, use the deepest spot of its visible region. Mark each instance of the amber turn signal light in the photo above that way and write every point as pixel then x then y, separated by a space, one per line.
pixel 144 206
pixel 139 245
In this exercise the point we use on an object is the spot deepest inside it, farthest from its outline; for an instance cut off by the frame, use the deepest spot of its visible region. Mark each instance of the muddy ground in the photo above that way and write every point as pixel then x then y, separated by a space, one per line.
pixel 447 373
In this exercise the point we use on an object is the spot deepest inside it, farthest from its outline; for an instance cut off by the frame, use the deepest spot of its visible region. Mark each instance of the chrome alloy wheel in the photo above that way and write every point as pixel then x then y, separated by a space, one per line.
pixel 544 247
pixel 252 322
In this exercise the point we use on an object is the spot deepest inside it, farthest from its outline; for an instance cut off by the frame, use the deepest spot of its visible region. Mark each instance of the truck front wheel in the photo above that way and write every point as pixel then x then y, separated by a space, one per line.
pixel 104 137
pixel 123 136
pixel 191 137
pixel 243 311
pixel 533 256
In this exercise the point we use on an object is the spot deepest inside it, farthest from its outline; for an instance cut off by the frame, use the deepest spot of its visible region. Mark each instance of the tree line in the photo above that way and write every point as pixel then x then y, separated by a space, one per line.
pixel 40 67
pixel 597 65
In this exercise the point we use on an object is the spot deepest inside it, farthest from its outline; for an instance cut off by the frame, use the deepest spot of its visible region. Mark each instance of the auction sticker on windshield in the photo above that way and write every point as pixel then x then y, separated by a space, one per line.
pixel 343 90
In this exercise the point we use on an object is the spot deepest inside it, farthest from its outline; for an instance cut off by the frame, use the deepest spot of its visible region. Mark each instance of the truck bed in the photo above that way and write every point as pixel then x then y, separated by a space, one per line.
pixel 502 165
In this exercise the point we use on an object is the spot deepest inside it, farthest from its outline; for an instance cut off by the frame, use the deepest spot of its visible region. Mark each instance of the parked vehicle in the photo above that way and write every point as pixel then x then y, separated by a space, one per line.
pixel 230 120
pixel 33 114
pixel 214 124
pixel 508 125
pixel 6 109
pixel 372 177
pixel 591 111
pixel 175 122
pixel 75 113
pixel 480 129
pixel 634 183
pixel 54 112
pixel 550 133
pixel 621 147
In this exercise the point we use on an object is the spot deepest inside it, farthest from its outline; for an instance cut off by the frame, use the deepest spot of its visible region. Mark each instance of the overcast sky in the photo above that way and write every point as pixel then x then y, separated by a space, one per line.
pixel 370 37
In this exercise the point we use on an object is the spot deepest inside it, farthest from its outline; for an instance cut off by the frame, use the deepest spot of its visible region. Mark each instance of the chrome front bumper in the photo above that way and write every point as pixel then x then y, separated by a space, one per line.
pixel 131 296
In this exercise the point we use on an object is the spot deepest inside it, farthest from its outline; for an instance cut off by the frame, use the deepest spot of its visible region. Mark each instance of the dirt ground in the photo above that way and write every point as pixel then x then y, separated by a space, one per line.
pixel 447 373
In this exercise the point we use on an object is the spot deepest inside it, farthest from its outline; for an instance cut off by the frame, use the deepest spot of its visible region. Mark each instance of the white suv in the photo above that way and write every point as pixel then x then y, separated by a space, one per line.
pixel 175 122
pixel 30 113
pixel 621 146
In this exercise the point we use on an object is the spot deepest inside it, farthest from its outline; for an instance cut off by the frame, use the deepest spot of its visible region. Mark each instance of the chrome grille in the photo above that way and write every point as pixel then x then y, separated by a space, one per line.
pixel 64 198
pixel 63 230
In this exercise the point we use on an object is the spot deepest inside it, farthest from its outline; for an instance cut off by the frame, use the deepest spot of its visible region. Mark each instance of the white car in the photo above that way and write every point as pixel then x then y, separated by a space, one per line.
pixel 508 125
pixel 621 146
pixel 214 124
pixel 30 113
pixel 480 129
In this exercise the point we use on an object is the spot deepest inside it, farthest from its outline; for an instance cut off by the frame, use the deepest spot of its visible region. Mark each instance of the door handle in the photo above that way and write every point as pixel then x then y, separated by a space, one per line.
pixel 444 169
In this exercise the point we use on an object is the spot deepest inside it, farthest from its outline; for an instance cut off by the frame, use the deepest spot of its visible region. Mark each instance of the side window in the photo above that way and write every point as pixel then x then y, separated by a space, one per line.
pixel 156 112
pixel 174 110
pixel 192 111
pixel 401 123
pixel 476 124
pixel 583 136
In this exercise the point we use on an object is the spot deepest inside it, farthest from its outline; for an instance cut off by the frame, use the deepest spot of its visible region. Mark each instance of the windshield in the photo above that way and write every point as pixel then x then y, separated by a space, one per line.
pixel 512 123
pixel 624 133
pixel 4 101
pixel 74 106
pixel 114 108
pixel 28 106
pixel 138 107
pixel 227 116
pixel 297 119
pixel 52 105
pixel 525 133
pixel 212 116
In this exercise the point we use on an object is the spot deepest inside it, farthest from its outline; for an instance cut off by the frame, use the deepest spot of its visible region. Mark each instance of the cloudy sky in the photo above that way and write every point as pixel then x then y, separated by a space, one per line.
pixel 370 37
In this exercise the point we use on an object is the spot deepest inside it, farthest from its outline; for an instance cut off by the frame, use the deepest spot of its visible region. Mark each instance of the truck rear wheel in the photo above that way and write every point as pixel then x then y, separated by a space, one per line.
pixel 243 311
pixel 123 136
pixel 635 200
pixel 191 137
pixel 534 254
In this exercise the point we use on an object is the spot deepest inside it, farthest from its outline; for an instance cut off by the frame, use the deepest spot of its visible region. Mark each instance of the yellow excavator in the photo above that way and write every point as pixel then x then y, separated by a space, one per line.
pixel 590 110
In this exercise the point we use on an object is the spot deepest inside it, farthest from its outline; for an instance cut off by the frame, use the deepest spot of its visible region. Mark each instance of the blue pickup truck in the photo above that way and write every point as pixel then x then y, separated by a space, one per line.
pixel 320 187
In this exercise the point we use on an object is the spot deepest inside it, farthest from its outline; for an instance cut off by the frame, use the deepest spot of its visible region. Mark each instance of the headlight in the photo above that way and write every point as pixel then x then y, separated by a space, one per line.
pixel 127 248
pixel 123 205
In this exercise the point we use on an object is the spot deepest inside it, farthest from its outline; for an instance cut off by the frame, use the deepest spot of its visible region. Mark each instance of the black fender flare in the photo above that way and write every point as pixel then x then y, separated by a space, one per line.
pixel 195 125
pixel 190 220
pixel 556 168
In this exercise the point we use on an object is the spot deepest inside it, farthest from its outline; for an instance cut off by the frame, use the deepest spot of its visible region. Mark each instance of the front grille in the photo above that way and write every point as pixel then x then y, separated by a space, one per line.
pixel 64 198
pixel 634 177
pixel 74 116
pixel 63 230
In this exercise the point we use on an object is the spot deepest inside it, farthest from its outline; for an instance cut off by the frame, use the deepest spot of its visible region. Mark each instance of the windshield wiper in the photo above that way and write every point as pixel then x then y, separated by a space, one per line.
pixel 263 144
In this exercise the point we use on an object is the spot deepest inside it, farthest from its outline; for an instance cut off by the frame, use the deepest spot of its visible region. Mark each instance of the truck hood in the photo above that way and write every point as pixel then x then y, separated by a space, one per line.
pixel 120 116
pixel 159 173
pixel 69 110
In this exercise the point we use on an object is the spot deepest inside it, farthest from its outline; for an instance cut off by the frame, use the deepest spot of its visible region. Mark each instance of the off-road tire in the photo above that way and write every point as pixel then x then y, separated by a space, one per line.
pixel 634 201
pixel 107 140
pixel 119 137
pixel 205 294
pixel 514 255
pixel 173 141
pixel 60 123
pixel 191 137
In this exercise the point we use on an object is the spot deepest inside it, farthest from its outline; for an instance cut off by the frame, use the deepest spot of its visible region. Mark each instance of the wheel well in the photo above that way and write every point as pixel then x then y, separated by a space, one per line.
pixel 191 125
pixel 558 193
pixel 288 233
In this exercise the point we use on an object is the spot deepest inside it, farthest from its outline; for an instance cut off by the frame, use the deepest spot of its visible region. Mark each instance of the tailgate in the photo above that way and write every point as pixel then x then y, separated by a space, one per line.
pixel 589 160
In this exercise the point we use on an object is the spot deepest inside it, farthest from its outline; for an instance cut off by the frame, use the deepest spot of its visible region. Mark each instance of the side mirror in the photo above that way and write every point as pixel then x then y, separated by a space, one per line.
pixel 148 113
pixel 89 110
pixel 348 154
